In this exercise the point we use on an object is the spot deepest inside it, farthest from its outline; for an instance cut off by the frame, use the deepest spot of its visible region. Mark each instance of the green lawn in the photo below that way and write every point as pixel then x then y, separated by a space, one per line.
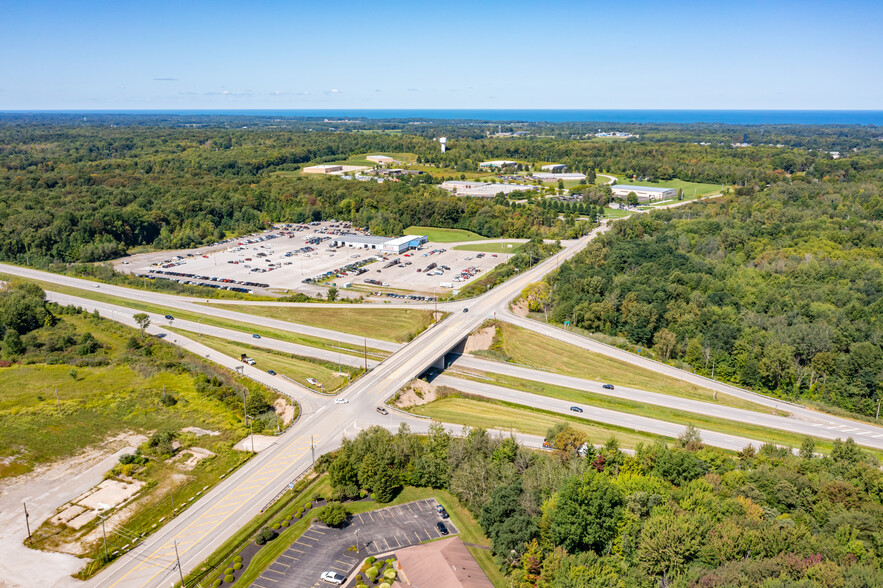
pixel 615 213
pixel 390 324
pixel 535 350
pixel 207 319
pixel 491 247
pixel 503 415
pixel 295 367
pixel 691 189
pixel 444 235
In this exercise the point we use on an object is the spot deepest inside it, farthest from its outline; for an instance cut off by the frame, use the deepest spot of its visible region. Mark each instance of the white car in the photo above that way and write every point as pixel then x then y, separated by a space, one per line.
pixel 333 578
pixel 341 401
pixel 313 381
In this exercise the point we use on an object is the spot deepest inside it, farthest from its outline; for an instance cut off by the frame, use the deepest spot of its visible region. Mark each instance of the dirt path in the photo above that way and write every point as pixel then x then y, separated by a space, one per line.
pixel 43 490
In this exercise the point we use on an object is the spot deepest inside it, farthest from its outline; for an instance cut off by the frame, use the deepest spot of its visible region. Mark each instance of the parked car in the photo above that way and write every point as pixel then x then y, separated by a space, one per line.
pixel 333 578
pixel 341 401
pixel 575 409
pixel 382 410
pixel 441 528
pixel 547 445
pixel 607 386
pixel 465 310
pixel 271 372
pixel 441 511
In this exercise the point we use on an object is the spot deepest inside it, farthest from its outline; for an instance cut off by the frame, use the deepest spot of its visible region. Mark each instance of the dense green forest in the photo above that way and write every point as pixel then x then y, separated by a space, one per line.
pixel 88 192
pixel 780 290
pixel 687 515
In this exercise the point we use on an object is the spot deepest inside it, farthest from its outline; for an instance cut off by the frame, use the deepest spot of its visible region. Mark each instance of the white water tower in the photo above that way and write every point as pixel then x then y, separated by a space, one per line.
pixel 443 142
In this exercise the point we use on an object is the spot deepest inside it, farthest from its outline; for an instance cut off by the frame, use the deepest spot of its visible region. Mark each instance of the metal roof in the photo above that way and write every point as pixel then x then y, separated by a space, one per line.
pixel 640 188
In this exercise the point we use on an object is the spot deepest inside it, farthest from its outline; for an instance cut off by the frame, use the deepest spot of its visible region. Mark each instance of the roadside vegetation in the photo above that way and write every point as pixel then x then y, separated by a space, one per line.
pixel 670 515
pixel 398 325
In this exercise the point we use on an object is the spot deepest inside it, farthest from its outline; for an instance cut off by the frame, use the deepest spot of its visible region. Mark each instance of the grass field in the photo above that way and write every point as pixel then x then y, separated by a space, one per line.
pixel 207 319
pixel 296 368
pixel 503 415
pixel 535 350
pixel 692 190
pixel 390 324
pixel 491 247
pixel 615 213
pixel 444 235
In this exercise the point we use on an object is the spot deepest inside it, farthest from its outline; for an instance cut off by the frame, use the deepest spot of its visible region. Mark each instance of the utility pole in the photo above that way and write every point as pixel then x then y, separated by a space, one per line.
pixel 244 409
pixel 27 522
pixel 712 367
pixel 177 557
pixel 366 354
pixel 357 541
pixel 313 450
pixel 104 533
pixel 878 410
pixel 251 431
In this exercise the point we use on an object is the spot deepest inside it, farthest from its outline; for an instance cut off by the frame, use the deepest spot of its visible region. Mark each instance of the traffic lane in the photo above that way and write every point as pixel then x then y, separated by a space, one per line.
pixel 321 548
pixel 675 402
pixel 601 415
pixel 862 433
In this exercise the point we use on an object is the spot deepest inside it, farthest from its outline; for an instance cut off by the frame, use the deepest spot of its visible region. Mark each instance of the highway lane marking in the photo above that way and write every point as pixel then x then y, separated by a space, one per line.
pixel 877 436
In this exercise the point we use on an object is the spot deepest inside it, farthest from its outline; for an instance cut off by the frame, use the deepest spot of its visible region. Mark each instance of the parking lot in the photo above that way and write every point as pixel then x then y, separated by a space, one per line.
pixel 301 258
pixel 322 549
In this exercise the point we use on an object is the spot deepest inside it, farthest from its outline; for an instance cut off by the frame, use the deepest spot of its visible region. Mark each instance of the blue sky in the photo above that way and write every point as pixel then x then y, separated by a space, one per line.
pixel 81 54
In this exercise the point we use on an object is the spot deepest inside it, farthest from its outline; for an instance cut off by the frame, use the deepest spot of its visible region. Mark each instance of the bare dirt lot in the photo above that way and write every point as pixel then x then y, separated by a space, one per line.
pixel 286 256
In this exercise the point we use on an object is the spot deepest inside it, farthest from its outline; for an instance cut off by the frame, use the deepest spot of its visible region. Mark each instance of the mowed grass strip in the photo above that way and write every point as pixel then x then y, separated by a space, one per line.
pixel 295 367
pixel 494 414
pixel 444 235
pixel 398 325
pixel 538 351
pixel 206 319
pixel 491 247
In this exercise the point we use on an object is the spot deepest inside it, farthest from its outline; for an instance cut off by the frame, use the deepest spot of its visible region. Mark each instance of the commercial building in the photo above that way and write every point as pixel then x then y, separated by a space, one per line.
pixel 555 168
pixel 551 177
pixel 440 564
pixel 383 159
pixel 482 189
pixel 381 244
pixel 403 244
pixel 323 169
pixel 644 193
pixel 498 163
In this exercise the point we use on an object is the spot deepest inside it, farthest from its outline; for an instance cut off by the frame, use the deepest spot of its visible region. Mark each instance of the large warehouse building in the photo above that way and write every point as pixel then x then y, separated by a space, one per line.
pixel 482 189
pixel 644 193
pixel 382 244
pixel 323 169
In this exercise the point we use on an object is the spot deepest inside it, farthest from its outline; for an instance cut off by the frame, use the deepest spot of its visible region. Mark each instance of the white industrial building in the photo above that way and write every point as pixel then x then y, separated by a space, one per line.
pixel 382 244
pixel 498 163
pixel 323 169
pixel 550 177
pixel 482 189
pixel 555 168
pixel 644 193
pixel 382 159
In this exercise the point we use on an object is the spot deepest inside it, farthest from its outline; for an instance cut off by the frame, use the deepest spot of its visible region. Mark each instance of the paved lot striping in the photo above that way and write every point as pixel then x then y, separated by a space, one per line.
pixel 320 549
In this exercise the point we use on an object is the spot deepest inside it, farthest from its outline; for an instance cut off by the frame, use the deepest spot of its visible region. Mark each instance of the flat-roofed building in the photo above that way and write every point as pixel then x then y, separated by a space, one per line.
pixel 402 244
pixel 384 159
pixel 555 168
pixel 644 193
pixel 482 189
pixel 323 169
pixel 360 241
pixel 498 163
pixel 548 177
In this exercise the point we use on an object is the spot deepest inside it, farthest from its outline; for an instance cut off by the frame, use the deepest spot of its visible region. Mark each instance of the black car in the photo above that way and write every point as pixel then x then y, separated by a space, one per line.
pixel 271 372
pixel 169 317
pixel 575 409
pixel 441 528
pixel 465 310
pixel 607 386
pixel 441 511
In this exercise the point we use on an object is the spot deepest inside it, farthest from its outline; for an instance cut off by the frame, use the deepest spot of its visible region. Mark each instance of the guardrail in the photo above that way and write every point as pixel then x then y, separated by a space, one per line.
pixel 290 486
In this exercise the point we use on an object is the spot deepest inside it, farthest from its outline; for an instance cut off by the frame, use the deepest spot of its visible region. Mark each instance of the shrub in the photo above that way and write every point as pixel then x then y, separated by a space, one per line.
pixel 372 573
pixel 265 534
pixel 334 514
pixel 276 526
pixel 300 510
pixel 288 517
pixel 284 523
pixel 238 558
pixel 371 560
pixel 216 583
pixel 228 571
pixel 238 566
pixel 384 585
pixel 297 515
pixel 308 505
pixel 362 494
pixel 229 579
pixel 390 574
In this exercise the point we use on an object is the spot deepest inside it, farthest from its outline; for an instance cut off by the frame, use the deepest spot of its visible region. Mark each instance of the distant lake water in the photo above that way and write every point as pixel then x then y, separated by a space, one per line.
pixel 736 117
